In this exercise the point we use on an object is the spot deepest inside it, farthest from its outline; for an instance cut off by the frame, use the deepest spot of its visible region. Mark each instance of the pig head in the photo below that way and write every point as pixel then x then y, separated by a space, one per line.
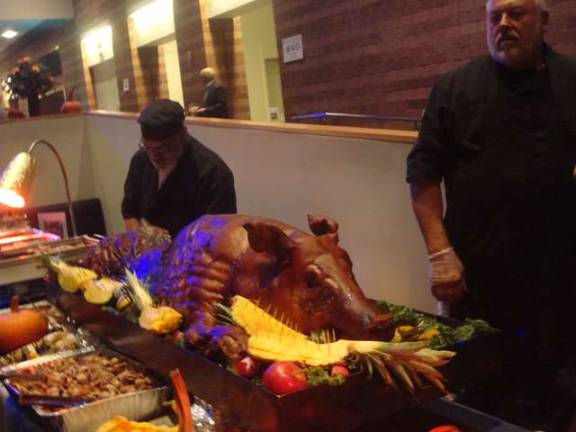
pixel 308 280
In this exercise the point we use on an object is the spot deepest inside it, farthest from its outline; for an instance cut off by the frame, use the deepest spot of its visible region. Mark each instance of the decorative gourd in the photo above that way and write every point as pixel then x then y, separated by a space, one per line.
pixel 71 105
pixel 20 327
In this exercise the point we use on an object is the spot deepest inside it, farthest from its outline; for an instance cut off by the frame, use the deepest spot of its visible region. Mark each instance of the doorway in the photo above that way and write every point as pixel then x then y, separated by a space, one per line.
pixel 155 52
pixel 251 52
pixel 105 86
pixel 263 77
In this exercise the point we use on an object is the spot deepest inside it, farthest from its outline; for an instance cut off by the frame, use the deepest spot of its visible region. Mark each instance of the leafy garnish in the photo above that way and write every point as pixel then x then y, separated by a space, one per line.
pixel 318 375
pixel 447 335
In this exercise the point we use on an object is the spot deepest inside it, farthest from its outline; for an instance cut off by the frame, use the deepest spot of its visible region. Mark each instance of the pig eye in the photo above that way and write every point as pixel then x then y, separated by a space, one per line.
pixel 312 276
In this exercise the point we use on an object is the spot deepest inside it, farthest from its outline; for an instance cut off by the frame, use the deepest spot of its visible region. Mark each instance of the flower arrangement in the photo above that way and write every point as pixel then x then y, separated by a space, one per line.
pixel 28 79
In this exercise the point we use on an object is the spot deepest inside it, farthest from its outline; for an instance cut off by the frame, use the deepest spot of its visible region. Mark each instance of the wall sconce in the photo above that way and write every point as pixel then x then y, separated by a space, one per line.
pixel 17 177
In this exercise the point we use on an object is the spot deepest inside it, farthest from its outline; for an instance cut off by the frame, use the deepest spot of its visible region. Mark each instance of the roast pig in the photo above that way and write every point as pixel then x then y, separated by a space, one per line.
pixel 304 278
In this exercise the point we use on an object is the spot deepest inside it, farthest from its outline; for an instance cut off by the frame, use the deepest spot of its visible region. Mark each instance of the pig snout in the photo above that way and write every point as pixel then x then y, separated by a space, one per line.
pixel 367 325
pixel 379 321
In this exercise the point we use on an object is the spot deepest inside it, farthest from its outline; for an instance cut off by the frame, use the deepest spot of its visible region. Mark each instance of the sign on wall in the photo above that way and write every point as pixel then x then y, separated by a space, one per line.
pixel 292 48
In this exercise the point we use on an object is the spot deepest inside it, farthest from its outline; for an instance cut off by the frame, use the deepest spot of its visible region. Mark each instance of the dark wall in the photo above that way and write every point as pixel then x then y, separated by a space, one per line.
pixel 382 56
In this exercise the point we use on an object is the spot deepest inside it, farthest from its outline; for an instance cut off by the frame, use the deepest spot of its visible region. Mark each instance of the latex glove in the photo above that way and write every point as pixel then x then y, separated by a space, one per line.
pixel 446 274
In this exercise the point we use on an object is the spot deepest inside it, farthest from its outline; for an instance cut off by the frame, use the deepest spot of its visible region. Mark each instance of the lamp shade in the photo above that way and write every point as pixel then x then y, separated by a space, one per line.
pixel 16 179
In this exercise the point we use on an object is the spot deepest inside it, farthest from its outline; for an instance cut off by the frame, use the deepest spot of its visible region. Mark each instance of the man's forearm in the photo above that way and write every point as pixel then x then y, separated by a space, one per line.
pixel 428 208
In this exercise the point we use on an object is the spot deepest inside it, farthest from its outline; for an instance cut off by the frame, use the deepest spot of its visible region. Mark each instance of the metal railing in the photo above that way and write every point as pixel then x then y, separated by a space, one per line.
pixel 326 116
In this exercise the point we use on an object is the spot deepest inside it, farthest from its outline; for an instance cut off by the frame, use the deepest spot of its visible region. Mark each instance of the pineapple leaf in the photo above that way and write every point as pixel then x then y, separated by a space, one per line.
pixel 139 290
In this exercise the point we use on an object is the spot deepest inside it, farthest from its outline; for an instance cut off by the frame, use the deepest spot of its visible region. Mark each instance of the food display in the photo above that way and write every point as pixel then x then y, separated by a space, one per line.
pixel 271 303
pixel 219 262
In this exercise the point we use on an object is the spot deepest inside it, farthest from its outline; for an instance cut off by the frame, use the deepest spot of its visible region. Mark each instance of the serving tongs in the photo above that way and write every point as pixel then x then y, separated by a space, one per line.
pixel 22 376
pixel 59 401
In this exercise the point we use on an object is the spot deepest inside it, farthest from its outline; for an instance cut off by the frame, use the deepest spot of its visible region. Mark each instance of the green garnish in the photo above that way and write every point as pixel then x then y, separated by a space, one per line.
pixel 318 375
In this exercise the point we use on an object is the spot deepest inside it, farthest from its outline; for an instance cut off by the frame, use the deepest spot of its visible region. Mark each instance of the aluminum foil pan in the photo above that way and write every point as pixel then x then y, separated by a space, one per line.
pixel 136 406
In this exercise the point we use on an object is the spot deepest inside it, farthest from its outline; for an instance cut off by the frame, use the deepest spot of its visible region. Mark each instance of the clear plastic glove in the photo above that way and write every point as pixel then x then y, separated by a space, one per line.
pixel 446 274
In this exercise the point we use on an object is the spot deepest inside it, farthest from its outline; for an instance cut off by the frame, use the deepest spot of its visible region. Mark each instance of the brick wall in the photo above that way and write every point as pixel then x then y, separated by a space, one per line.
pixel 191 47
pixel 362 56
pixel 382 57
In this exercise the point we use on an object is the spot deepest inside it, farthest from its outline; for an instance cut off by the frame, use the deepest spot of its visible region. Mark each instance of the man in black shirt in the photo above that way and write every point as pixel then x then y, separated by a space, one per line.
pixel 501 133
pixel 215 99
pixel 174 179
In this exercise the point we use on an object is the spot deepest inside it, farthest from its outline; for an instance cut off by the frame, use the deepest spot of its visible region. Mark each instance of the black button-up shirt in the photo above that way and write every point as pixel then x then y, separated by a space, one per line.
pixel 201 183
pixel 505 145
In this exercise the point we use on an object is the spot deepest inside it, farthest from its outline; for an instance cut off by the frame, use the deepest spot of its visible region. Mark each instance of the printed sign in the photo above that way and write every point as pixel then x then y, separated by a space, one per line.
pixel 292 48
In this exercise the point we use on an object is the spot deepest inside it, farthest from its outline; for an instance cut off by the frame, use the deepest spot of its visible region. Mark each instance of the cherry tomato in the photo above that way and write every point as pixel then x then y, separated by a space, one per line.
pixel 246 367
pixel 340 370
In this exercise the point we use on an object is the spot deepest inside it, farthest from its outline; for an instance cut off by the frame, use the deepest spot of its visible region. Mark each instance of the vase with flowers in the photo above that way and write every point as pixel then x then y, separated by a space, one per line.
pixel 29 80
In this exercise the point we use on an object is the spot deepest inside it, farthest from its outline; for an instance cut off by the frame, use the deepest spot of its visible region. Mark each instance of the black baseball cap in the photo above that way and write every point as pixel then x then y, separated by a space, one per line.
pixel 161 119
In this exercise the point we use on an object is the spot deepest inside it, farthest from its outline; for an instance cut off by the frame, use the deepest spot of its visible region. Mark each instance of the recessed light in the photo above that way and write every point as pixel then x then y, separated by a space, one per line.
pixel 9 34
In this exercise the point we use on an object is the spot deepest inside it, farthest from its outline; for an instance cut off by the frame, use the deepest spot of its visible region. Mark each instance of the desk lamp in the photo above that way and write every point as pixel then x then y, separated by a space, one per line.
pixel 17 176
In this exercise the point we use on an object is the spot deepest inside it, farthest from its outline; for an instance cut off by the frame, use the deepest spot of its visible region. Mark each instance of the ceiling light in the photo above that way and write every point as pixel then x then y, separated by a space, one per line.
pixel 153 14
pixel 9 34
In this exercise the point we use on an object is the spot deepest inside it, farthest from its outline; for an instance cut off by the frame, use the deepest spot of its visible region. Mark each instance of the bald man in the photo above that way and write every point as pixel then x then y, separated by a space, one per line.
pixel 215 100
pixel 500 133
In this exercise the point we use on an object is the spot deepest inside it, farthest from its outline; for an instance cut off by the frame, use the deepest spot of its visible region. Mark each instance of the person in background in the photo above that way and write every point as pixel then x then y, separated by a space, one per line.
pixel 500 132
pixel 173 178
pixel 214 103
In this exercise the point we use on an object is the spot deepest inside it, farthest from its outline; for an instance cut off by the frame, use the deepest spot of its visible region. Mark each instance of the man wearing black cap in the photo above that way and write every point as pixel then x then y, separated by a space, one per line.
pixel 173 179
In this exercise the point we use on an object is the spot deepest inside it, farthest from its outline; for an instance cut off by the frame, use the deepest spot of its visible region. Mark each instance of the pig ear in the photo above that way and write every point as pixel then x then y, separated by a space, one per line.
pixel 321 225
pixel 264 237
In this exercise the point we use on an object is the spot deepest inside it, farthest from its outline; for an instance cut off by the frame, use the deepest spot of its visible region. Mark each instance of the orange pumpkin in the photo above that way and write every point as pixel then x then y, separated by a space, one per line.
pixel 71 105
pixel 20 327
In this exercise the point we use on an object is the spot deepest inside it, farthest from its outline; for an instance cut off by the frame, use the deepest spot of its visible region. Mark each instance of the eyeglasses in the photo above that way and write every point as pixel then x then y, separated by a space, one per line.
pixel 165 146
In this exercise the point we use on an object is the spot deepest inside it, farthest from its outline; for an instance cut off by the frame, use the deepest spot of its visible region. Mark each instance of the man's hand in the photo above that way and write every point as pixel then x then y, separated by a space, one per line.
pixel 446 274
pixel 193 109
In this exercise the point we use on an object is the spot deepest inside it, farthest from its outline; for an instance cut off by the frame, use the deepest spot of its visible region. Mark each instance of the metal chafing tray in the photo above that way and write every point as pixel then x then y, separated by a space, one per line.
pixel 25 263
pixel 82 416
pixel 355 406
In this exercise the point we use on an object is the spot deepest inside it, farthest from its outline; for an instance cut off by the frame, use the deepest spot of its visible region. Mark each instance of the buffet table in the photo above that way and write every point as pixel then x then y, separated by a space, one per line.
pixel 437 412
pixel 219 386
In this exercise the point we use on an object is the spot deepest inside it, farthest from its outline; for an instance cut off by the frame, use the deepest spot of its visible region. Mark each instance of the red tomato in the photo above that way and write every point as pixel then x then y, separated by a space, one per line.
pixel 445 428
pixel 246 367
pixel 339 369
pixel 284 377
